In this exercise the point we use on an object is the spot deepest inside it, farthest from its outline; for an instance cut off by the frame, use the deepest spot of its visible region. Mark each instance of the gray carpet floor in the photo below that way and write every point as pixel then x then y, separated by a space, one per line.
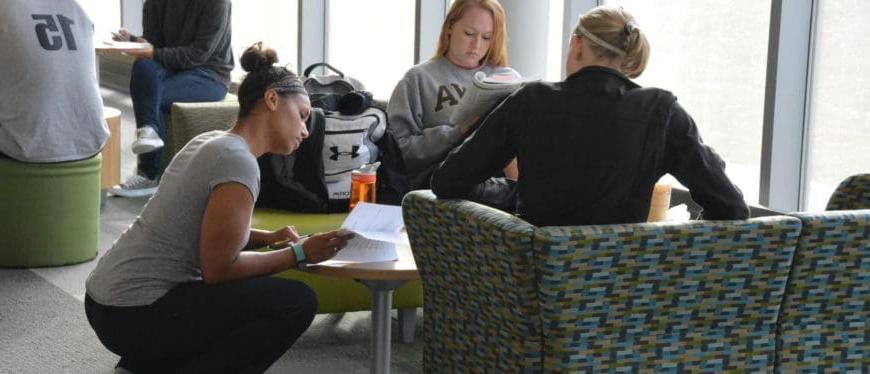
pixel 43 328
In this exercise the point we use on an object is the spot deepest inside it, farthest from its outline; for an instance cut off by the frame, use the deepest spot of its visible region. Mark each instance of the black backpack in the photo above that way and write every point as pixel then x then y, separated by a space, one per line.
pixel 316 178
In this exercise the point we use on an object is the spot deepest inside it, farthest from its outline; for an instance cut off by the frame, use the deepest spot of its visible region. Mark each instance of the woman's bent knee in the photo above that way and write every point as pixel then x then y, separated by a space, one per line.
pixel 144 68
pixel 307 301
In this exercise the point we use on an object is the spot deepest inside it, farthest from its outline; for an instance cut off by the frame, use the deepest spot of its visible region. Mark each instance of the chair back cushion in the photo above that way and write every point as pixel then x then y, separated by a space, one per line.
pixel 653 297
pixel 478 286
pixel 192 119
pixel 825 321
pixel 852 193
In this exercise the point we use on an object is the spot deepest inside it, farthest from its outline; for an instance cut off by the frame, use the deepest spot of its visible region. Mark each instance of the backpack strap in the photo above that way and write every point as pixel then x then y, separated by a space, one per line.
pixel 311 67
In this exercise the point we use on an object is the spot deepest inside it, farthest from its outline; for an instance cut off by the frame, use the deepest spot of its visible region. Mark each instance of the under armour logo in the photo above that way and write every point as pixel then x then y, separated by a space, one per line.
pixel 335 153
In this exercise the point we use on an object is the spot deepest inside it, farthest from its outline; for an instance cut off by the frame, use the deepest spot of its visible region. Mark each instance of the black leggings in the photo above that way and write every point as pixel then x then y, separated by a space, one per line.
pixel 236 327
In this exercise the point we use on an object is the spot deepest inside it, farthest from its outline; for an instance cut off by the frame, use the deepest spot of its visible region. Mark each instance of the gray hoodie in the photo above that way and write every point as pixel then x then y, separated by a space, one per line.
pixel 419 111
pixel 189 34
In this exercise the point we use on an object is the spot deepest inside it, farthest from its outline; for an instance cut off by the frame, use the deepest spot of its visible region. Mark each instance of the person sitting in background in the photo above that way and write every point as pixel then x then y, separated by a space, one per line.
pixel 590 148
pixel 473 38
pixel 177 292
pixel 190 61
pixel 50 104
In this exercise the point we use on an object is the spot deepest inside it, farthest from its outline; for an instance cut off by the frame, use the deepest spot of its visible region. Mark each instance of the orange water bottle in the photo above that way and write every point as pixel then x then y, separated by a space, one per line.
pixel 363 184
pixel 659 203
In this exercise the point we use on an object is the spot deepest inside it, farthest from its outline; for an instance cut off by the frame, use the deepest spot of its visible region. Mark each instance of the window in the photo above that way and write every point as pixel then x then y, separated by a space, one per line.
pixel 555 40
pixel 275 22
pixel 712 55
pixel 106 16
pixel 372 41
pixel 840 116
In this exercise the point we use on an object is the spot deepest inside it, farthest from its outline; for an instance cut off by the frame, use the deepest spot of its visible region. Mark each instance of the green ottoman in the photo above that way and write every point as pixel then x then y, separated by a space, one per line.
pixel 51 212
pixel 339 295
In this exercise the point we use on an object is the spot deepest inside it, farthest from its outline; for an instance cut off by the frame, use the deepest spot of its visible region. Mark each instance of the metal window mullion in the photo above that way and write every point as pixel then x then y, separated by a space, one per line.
pixel 786 104
pixel 131 15
pixel 313 28
pixel 430 14
pixel 808 107
pixel 573 9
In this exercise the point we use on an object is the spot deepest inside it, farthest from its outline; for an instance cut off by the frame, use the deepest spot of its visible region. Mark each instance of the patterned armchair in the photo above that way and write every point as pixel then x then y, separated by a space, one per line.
pixel 852 193
pixel 503 296
pixel 825 321
pixel 696 296
pixel 479 293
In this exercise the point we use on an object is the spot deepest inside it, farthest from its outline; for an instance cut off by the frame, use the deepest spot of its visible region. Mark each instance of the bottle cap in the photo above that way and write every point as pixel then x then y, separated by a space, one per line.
pixel 369 168
pixel 356 176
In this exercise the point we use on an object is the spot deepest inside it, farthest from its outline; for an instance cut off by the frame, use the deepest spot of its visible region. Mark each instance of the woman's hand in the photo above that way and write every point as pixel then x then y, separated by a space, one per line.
pixel 124 35
pixel 511 171
pixel 468 125
pixel 286 234
pixel 322 247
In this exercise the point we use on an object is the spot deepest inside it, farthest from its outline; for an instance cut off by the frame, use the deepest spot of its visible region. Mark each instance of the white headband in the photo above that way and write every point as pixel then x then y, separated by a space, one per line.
pixel 598 40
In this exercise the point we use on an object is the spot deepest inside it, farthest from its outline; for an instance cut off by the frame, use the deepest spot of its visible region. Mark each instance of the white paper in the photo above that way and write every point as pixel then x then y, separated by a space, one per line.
pixel 360 249
pixel 127 45
pixel 679 213
pixel 368 217
pixel 486 92
pixel 389 237
pixel 378 229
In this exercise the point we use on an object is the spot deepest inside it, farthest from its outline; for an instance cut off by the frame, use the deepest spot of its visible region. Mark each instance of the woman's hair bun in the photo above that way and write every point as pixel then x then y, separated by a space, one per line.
pixel 257 58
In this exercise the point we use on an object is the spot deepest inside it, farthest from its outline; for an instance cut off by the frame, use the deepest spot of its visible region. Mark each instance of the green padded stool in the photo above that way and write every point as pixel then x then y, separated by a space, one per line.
pixel 337 295
pixel 51 212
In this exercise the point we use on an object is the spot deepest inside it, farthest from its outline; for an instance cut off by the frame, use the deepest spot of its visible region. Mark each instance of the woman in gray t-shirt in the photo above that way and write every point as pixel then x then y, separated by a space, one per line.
pixel 177 292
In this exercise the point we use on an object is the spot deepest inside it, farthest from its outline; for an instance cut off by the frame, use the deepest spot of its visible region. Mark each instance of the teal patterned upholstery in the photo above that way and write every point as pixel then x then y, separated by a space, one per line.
pixel 666 297
pixel 479 291
pixel 825 321
pixel 501 295
pixel 852 193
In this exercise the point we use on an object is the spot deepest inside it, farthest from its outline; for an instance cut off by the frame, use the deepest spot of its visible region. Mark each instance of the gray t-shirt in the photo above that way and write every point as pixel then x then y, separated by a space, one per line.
pixel 419 114
pixel 161 248
pixel 50 105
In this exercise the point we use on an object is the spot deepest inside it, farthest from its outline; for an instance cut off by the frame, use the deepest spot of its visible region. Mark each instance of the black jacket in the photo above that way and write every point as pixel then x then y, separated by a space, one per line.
pixel 590 149
pixel 189 34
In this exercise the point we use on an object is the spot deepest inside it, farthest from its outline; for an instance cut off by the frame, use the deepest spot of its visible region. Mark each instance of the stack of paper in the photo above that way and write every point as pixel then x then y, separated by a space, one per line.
pixel 378 229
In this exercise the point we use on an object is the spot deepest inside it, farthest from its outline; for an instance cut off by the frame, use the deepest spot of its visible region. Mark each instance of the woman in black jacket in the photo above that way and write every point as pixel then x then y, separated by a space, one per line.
pixel 591 148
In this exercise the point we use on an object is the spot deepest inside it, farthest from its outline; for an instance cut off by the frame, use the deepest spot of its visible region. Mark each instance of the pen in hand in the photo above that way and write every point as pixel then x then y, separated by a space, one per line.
pixel 285 243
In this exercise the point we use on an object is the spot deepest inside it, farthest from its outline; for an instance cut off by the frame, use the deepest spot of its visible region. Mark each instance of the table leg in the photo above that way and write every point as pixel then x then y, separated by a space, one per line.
pixel 382 302
pixel 407 321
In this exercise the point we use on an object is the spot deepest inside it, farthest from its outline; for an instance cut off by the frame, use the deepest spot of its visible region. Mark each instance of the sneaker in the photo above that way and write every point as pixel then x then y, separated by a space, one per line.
pixel 147 140
pixel 135 186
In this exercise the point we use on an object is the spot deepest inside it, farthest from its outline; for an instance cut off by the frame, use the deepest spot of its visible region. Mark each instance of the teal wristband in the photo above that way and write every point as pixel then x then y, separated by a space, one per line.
pixel 300 255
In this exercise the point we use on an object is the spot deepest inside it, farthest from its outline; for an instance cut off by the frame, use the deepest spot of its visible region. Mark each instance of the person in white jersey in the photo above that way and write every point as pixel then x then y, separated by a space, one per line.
pixel 50 105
